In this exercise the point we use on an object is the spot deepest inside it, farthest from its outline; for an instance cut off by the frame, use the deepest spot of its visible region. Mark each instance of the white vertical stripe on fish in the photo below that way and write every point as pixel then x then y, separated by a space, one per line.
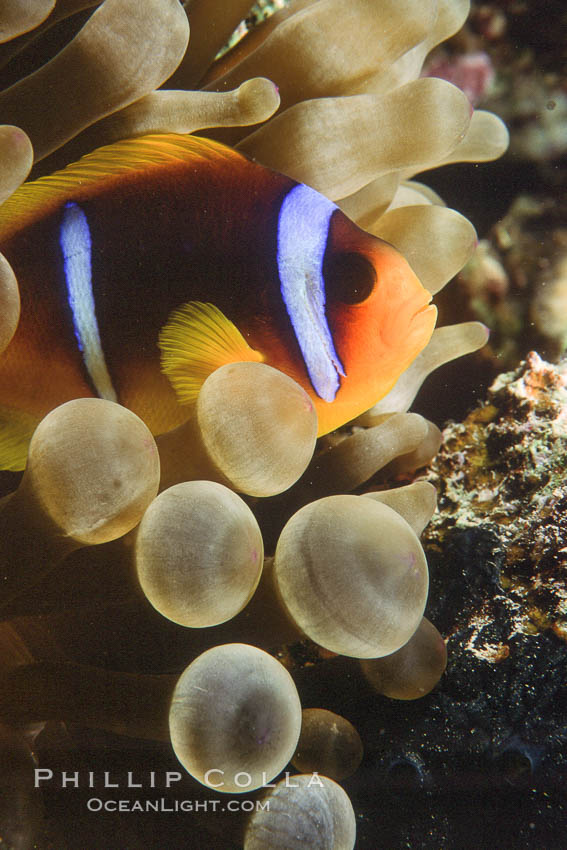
pixel 75 241
pixel 303 228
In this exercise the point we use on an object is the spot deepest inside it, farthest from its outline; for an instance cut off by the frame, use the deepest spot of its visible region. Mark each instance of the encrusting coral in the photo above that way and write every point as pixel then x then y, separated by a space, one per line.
pixel 354 121
pixel 501 473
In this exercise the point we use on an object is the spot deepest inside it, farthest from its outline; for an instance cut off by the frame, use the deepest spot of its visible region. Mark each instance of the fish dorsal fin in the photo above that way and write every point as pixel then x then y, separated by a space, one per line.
pixel 16 430
pixel 105 164
pixel 196 340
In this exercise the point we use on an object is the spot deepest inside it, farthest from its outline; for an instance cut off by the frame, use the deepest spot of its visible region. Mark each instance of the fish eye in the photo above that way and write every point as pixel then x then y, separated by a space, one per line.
pixel 349 278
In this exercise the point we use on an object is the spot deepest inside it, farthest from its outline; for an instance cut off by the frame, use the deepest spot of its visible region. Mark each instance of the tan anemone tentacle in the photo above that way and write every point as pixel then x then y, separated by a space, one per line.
pixel 412 671
pixel 332 48
pixel 446 344
pixel 410 193
pixel 338 145
pixel 451 15
pixel 237 708
pixel 198 554
pixel 329 744
pixel 62 9
pixel 212 23
pixel 300 813
pixel 486 139
pixel 92 470
pixel 124 51
pixel 416 502
pixel 366 205
pixel 16 159
pixel 352 574
pixel 232 438
pixel 436 241
pixel 9 303
pixel 21 16
pixel 345 466
pixel 166 111
pixel 409 462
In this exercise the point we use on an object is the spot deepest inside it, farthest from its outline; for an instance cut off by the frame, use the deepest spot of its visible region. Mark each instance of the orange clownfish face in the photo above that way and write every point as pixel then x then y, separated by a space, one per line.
pixel 359 314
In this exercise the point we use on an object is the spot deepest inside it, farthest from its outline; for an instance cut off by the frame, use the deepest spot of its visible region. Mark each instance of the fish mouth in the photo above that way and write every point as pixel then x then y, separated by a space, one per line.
pixel 421 311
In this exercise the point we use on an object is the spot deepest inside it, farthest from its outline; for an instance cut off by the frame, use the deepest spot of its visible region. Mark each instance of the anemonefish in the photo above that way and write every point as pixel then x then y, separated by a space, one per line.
pixel 152 261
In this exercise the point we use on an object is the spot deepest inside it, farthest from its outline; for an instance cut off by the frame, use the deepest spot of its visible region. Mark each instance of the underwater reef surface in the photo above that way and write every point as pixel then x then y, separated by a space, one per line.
pixel 483 754
pixel 517 281
pixel 512 60
pixel 497 547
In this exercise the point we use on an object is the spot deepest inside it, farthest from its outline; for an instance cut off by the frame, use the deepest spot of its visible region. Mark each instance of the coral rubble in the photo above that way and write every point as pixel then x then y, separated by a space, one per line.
pixel 501 477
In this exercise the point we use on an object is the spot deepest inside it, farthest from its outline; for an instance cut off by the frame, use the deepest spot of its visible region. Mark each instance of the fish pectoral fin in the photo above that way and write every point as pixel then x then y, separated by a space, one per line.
pixel 197 339
pixel 16 429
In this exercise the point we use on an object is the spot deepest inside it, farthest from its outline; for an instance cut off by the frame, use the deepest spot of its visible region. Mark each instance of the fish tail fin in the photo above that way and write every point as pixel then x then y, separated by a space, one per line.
pixel 197 339
pixel 16 429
